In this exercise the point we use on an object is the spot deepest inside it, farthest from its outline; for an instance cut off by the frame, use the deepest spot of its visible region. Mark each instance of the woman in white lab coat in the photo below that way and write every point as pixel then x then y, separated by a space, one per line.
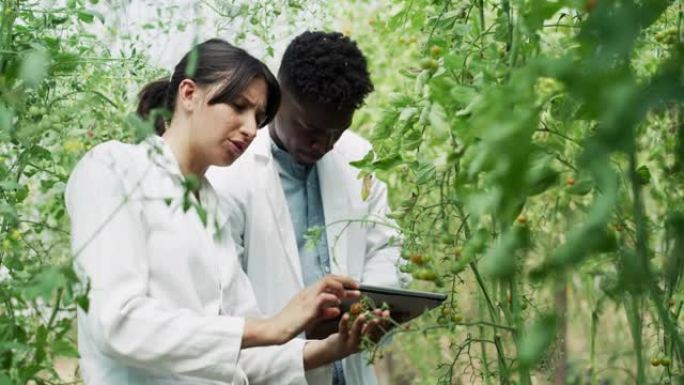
pixel 169 303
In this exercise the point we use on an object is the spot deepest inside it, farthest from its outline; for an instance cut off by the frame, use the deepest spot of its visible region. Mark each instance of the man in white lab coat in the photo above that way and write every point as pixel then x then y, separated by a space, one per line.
pixel 299 209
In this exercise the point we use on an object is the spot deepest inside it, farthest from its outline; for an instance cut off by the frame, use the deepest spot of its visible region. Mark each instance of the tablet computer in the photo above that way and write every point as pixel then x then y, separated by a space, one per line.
pixel 404 305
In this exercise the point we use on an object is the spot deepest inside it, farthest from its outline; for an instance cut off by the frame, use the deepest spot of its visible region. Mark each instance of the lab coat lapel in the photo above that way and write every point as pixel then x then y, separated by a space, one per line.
pixel 336 207
pixel 270 185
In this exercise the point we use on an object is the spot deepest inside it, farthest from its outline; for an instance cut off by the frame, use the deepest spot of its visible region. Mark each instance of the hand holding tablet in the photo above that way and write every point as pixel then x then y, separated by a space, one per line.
pixel 404 305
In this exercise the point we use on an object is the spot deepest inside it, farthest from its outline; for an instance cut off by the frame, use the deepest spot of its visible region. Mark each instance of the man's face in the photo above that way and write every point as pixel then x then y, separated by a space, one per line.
pixel 308 130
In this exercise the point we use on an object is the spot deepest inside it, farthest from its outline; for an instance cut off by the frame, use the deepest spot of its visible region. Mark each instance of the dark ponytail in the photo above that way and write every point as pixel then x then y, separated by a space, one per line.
pixel 216 62
pixel 154 97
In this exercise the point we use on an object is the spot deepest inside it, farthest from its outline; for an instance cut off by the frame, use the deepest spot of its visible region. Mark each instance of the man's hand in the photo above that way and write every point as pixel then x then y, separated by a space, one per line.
pixel 352 330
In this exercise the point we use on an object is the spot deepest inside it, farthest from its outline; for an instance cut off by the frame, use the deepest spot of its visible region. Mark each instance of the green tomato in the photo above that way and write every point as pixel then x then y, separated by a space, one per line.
pixel 428 64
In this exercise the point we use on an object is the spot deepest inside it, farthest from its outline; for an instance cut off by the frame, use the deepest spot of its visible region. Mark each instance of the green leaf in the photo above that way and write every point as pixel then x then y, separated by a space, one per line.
pixel 44 283
pixel 191 183
pixel 86 16
pixel 6 121
pixel 674 263
pixel 65 62
pixel 406 114
pixel 438 118
pixel 34 67
pixel 500 261
pixel 643 175
pixel 541 177
pixel 384 128
pixel 64 348
pixel 412 139
pixel 364 162
pixel 5 379
pixel 21 194
pixel 536 341
pixel 313 235
pixel 141 128
pixel 425 172
pixel 193 59
pixel 83 302
pixel 202 213
pixel 388 162
pixel 581 187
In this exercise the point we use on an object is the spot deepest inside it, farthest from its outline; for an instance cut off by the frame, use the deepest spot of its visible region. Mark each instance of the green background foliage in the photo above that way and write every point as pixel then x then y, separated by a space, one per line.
pixel 534 151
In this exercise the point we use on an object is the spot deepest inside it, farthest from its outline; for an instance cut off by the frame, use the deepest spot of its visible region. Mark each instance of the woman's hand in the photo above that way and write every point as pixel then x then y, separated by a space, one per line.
pixel 372 325
pixel 317 302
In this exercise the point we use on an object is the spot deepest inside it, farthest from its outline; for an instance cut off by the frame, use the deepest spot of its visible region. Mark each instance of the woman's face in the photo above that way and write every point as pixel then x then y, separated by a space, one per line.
pixel 221 132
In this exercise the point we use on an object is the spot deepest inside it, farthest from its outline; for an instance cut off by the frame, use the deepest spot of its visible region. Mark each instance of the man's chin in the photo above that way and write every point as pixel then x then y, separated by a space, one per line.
pixel 307 159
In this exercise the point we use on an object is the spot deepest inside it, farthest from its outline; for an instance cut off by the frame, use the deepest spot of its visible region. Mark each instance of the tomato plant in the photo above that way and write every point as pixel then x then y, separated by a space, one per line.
pixel 61 91
pixel 542 141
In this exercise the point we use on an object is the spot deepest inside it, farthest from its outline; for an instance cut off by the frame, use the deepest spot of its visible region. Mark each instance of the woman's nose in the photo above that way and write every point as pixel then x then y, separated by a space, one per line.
pixel 249 128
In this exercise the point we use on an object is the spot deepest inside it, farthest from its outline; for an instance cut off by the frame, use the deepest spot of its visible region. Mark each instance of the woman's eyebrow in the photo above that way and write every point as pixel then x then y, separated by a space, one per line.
pixel 260 109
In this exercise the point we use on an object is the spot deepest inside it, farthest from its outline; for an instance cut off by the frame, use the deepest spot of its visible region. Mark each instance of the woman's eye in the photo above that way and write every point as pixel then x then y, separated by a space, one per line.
pixel 238 106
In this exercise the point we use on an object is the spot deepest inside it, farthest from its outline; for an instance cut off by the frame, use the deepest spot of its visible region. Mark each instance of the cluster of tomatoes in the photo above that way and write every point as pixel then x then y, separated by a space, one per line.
pixel 661 360
pixel 419 266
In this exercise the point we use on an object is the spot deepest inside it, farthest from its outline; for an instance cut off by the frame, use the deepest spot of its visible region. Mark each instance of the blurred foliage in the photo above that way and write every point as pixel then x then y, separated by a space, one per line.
pixel 533 146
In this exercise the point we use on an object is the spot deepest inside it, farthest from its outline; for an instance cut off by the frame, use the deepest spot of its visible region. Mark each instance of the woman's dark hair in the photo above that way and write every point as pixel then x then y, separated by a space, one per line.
pixel 325 67
pixel 215 61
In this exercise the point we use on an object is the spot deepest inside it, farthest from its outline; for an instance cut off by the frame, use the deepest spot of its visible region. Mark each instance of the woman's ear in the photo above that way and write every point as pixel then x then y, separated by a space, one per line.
pixel 188 94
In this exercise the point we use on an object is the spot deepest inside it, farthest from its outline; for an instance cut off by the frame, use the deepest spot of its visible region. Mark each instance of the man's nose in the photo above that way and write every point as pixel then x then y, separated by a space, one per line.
pixel 320 146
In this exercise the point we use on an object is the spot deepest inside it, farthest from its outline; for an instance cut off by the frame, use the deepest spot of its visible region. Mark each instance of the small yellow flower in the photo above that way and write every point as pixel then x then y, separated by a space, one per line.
pixel 546 87
pixel 73 146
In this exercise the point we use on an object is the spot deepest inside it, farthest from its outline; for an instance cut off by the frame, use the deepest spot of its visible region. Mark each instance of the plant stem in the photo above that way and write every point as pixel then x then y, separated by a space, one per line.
pixel 594 325
pixel 632 310
pixel 645 265
pixel 561 299
pixel 482 16
pixel 9 14
pixel 483 348
pixel 503 368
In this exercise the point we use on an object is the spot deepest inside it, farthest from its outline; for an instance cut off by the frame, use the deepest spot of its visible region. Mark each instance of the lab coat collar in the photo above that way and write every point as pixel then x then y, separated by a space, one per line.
pixel 270 181
pixel 336 206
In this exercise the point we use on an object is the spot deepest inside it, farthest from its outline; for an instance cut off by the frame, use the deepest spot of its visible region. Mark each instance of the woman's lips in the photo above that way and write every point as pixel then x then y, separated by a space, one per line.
pixel 238 147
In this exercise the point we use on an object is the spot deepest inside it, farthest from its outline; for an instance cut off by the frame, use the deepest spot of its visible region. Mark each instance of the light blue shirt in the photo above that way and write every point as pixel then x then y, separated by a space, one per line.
pixel 303 194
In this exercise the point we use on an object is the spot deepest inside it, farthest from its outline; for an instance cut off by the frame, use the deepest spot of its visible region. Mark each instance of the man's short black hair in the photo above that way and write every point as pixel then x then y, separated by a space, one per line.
pixel 325 67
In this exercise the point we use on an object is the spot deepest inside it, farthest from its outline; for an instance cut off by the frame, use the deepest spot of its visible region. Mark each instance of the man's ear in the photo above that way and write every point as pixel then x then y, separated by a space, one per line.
pixel 188 92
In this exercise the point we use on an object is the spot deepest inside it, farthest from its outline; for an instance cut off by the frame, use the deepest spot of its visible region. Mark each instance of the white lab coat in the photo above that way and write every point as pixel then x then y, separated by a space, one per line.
pixel 265 239
pixel 167 295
